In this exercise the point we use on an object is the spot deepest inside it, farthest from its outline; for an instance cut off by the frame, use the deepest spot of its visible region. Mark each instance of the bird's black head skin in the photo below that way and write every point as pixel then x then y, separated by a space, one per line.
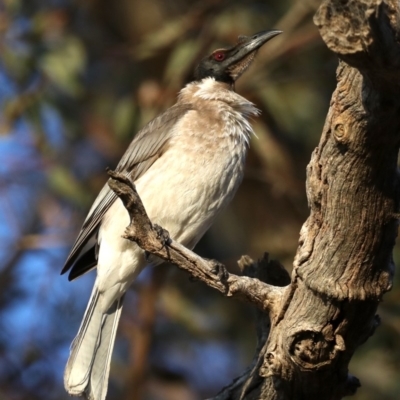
pixel 227 65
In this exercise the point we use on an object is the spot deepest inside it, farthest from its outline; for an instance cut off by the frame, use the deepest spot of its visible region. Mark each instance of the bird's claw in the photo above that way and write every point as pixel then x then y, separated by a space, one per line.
pixel 220 270
pixel 162 235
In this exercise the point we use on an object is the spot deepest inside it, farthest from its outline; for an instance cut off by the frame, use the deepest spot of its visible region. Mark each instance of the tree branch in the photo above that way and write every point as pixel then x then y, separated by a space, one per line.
pixel 155 240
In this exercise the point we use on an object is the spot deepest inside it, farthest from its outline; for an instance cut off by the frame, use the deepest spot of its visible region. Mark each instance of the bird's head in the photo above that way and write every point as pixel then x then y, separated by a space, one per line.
pixel 227 65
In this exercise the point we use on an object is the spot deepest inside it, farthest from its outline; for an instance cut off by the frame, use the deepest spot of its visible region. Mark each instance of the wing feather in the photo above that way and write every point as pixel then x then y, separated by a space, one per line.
pixel 144 149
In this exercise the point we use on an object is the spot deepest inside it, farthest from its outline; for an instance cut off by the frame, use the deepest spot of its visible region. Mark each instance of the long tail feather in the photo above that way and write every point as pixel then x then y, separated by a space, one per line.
pixel 88 367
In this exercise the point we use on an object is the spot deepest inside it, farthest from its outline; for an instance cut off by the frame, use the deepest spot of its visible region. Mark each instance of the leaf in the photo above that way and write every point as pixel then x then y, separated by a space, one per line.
pixel 63 182
pixel 181 59
pixel 164 37
pixel 64 64
pixel 123 117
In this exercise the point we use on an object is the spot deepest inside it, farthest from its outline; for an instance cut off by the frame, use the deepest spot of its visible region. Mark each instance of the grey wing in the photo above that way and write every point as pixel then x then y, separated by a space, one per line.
pixel 145 148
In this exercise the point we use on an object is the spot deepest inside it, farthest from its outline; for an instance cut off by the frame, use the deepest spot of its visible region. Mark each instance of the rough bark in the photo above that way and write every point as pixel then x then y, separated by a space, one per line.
pixel 309 329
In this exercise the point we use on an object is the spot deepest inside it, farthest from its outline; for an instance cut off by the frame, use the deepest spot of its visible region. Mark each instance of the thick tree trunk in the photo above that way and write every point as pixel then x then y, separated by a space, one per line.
pixel 344 261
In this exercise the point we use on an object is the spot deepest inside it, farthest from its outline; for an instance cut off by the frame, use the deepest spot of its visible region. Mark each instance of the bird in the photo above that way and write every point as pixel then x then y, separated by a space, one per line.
pixel 186 164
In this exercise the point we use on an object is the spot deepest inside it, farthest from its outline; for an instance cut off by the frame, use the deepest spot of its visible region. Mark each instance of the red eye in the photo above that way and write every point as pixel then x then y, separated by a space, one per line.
pixel 219 56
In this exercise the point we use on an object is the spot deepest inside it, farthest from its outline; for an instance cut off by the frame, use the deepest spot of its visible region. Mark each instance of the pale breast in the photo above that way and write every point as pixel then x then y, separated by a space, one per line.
pixel 199 173
pixel 193 180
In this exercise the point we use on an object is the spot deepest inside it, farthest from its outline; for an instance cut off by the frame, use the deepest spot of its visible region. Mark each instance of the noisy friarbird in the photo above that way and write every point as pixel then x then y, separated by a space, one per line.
pixel 187 165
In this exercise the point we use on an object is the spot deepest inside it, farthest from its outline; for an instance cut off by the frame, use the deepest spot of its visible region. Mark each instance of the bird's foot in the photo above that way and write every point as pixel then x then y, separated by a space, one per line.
pixel 219 270
pixel 162 235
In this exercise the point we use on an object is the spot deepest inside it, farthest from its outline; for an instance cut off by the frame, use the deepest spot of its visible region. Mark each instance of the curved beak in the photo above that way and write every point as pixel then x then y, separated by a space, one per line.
pixel 241 56
pixel 248 44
